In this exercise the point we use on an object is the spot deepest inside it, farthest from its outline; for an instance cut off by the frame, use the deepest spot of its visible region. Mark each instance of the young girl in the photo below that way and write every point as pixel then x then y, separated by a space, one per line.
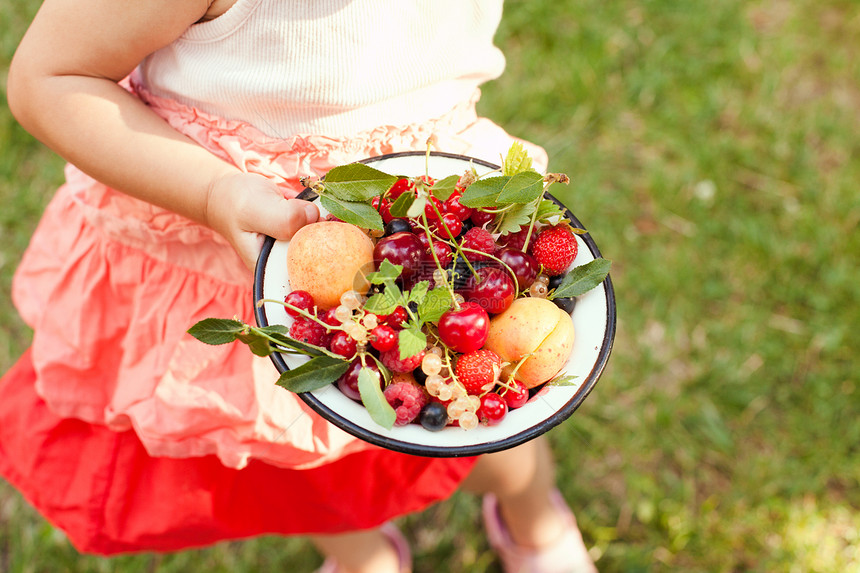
pixel 187 124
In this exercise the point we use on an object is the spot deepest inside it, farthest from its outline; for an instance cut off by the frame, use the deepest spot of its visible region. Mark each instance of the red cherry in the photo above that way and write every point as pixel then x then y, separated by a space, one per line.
pixel 343 344
pixel 518 397
pixel 399 188
pixel 300 299
pixel 433 208
pixel 403 249
pixel 522 264
pixel 348 382
pixel 383 338
pixel 465 329
pixel 443 252
pixel 453 206
pixel 397 318
pixel 493 409
pixel 494 293
pixel 481 218
pixel 384 208
pixel 449 226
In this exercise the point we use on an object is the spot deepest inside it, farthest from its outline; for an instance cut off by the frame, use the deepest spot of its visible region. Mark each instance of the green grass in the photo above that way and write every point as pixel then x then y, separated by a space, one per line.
pixel 713 152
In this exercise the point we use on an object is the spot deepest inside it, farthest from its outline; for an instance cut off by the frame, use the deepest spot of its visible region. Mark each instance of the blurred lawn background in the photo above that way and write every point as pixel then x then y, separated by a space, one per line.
pixel 714 153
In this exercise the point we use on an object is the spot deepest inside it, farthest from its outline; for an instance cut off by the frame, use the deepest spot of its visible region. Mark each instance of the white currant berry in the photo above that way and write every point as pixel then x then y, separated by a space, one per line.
pixel 439 277
pixel 458 298
pixel 433 384
pixel 455 409
pixel 468 420
pixel 351 300
pixel 474 403
pixel 437 351
pixel 542 278
pixel 538 290
pixel 431 364
pixel 370 321
pixel 459 391
pixel 343 314
pixel 445 392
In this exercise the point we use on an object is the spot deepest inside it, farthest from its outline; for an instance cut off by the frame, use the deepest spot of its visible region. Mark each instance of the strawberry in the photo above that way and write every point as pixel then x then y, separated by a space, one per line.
pixel 554 248
pixel 477 371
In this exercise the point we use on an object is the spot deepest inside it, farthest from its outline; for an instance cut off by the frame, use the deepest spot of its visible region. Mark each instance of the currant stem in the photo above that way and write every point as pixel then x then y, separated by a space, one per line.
pixel 302 312
pixel 436 259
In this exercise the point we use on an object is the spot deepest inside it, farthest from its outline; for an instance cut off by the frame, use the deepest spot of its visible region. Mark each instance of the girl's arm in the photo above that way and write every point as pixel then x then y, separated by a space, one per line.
pixel 62 87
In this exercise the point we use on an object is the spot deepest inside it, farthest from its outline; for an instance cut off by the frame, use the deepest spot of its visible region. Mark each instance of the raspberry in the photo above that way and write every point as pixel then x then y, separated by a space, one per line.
pixel 554 248
pixel 391 360
pixel 478 370
pixel 407 400
pixel 479 240
pixel 309 331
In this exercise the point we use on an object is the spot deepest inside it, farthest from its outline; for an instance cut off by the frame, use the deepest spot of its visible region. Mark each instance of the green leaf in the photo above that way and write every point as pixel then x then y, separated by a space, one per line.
pixel 382 303
pixel 515 218
pixel 517 160
pixel 374 400
pixel 418 292
pixel 357 182
pixel 313 374
pixel 523 187
pixel 563 380
pixel 417 207
pixel 411 341
pixel 284 340
pixel 484 192
pixel 548 210
pixel 356 213
pixel 258 344
pixel 217 331
pixel 388 271
pixel 435 304
pixel 443 188
pixel 582 279
pixel 401 205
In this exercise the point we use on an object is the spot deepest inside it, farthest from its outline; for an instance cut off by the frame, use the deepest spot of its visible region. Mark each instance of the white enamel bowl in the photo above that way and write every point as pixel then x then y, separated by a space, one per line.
pixel 594 324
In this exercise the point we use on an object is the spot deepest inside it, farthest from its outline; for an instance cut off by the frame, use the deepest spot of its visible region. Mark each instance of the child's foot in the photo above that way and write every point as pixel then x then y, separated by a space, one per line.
pixel 566 555
pixel 397 541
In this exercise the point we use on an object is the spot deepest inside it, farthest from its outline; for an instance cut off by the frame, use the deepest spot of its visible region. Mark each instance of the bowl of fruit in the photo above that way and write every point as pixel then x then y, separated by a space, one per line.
pixel 442 306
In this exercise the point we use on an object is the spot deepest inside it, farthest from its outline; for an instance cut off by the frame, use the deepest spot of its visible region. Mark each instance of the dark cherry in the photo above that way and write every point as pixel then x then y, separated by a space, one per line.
pixel 433 416
pixel 397 226
pixel 494 292
pixel 481 218
pixel 343 344
pixel 348 382
pixel 400 249
pixel 523 264
pixel 464 329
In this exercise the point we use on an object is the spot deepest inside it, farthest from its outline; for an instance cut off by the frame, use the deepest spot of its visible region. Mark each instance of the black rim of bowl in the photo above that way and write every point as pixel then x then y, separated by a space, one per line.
pixel 454 451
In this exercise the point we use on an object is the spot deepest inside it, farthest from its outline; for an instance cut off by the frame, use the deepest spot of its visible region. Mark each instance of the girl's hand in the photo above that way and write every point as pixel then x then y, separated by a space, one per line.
pixel 243 207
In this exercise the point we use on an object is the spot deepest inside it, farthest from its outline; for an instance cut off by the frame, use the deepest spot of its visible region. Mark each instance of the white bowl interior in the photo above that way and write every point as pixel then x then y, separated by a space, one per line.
pixel 590 319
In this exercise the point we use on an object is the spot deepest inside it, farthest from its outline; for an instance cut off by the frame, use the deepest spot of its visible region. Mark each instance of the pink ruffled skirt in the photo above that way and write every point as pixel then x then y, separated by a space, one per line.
pixel 110 286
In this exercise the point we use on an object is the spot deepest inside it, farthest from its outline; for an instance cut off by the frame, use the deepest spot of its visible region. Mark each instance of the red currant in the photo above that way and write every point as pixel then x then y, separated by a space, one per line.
pixel 300 299
pixel 449 226
pixel 397 318
pixel 383 338
pixel 493 409
pixel 399 188
pixel 453 206
pixel 481 218
pixel 384 208
pixel 516 398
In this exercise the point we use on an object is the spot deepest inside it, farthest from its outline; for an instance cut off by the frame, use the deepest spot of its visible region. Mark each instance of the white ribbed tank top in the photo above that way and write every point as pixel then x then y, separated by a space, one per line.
pixel 331 67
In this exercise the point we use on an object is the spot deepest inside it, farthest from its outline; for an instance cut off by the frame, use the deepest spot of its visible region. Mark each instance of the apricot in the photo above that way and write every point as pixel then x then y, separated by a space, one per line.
pixel 538 329
pixel 327 259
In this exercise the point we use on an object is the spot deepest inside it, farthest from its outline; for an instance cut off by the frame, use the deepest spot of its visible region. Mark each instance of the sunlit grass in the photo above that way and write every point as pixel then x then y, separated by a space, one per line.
pixel 713 153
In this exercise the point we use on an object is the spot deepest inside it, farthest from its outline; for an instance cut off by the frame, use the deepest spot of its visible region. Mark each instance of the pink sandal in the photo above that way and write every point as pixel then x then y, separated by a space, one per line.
pixel 567 555
pixel 394 537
